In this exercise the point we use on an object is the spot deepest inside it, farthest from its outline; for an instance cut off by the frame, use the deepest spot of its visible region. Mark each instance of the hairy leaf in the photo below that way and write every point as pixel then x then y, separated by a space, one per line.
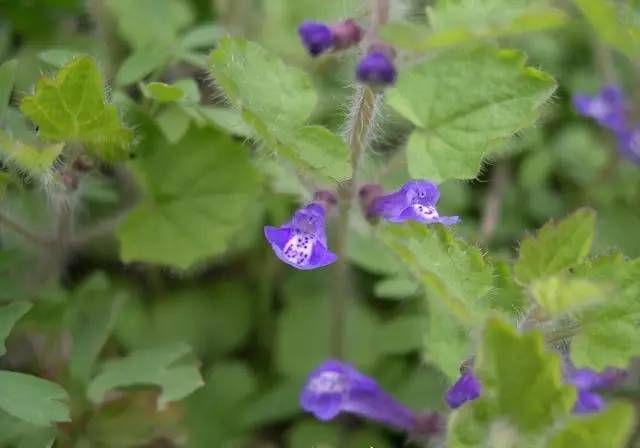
pixel 199 191
pixel 276 101
pixel 464 104
pixel 31 159
pixel 556 247
pixel 71 108
pixel 523 392
pixel 609 428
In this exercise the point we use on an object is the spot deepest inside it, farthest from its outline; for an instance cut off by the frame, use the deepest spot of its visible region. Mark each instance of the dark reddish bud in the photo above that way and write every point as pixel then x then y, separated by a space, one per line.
pixel 84 163
pixel 427 426
pixel 70 180
pixel 368 194
pixel 325 199
pixel 346 34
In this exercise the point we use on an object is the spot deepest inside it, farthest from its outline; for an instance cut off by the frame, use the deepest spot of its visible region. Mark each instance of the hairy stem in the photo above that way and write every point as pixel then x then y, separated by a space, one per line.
pixel 359 129
pixel 28 235
pixel 493 203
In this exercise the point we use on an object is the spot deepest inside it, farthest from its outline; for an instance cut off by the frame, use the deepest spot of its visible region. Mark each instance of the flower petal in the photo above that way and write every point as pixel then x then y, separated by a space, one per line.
pixel 588 402
pixel 467 388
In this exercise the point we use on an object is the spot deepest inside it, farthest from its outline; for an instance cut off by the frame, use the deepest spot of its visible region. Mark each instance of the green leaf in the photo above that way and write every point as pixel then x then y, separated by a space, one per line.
pixel 7 79
pixel 198 190
pixel 227 120
pixel 202 36
pixel 212 412
pixel 31 159
pixel 258 81
pixel 451 271
pixel 606 17
pixel 401 335
pixel 142 63
pixel 9 315
pixel 447 343
pixel 163 93
pixel 468 21
pixel 93 316
pixel 296 356
pixel 32 399
pixel 464 104
pixel 523 391
pixel 609 333
pixel 164 367
pixel 150 22
pixel 558 294
pixel 556 247
pixel 58 57
pixel 174 123
pixel 71 108
pixel 398 287
pixel 276 101
pixel 609 428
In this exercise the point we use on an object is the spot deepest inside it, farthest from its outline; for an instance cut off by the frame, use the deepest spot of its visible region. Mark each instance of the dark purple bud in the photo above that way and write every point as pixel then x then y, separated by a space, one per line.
pixel 467 388
pixel 302 242
pixel 316 37
pixel 368 194
pixel 376 67
pixel 326 199
pixel 346 34
pixel 84 163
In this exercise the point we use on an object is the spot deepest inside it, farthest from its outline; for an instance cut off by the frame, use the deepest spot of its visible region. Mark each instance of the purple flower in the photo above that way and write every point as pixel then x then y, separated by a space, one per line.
pixel 302 242
pixel 586 381
pixel 606 107
pixel 467 388
pixel 316 37
pixel 335 387
pixel 376 68
pixel 416 201
pixel 629 144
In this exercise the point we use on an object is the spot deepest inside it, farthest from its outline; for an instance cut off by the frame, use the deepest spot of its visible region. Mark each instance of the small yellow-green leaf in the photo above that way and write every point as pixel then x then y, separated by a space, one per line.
pixel 163 93
pixel 29 158
pixel 556 247
pixel 71 107
pixel 558 294
pixel 609 428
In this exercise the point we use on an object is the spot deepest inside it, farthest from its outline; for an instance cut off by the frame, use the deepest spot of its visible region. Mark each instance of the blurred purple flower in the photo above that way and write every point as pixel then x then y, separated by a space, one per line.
pixel 607 107
pixel 302 242
pixel 376 68
pixel 318 37
pixel 335 387
pixel 629 145
pixel 467 388
pixel 416 201
pixel 586 381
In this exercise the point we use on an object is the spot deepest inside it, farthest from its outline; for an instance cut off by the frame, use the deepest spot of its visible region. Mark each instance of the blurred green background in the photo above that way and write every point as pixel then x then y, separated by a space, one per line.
pixel 257 326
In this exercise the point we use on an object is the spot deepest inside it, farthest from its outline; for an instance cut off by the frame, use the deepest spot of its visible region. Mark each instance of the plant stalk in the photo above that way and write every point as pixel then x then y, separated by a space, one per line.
pixel 360 126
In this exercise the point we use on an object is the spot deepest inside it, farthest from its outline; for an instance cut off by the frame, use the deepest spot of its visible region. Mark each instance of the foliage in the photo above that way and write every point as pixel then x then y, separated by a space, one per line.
pixel 143 150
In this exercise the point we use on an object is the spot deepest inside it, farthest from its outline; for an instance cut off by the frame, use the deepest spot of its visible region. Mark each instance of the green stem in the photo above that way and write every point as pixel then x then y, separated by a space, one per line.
pixel 360 126
pixel 23 232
